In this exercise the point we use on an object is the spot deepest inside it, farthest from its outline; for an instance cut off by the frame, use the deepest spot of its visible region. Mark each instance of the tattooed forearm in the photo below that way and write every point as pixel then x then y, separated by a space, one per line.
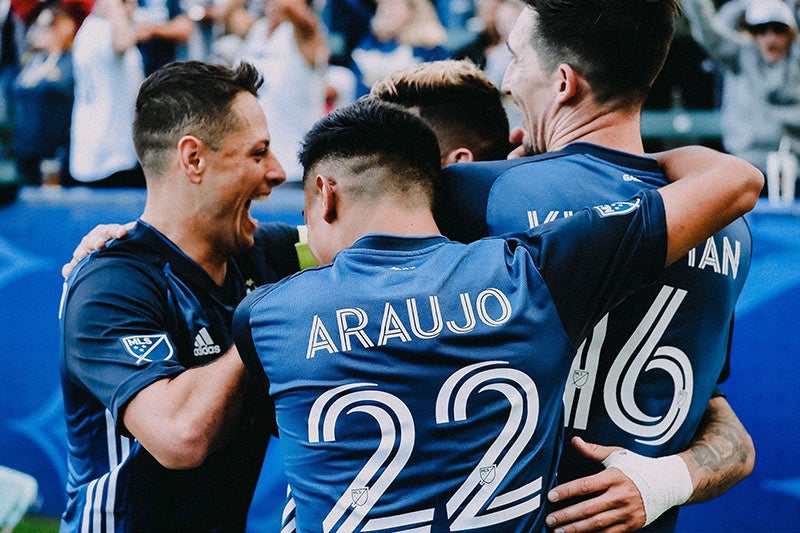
pixel 721 454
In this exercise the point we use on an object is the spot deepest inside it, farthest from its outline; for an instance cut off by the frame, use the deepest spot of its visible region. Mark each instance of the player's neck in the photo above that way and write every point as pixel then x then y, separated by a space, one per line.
pixel 618 130
pixel 185 234
pixel 392 220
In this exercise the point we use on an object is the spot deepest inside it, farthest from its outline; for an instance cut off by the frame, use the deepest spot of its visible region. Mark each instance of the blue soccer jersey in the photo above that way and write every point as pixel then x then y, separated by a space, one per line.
pixel 135 312
pixel 417 381
pixel 643 377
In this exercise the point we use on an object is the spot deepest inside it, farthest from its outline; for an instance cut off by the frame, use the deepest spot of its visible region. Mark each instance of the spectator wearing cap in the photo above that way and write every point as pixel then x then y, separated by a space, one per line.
pixel 754 44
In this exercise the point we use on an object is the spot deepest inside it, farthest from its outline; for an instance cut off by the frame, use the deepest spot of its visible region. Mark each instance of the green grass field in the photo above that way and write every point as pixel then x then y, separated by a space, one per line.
pixel 37 524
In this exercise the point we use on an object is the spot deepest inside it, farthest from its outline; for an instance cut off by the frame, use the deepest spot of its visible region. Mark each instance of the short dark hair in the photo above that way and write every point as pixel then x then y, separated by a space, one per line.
pixel 187 97
pixel 618 46
pixel 385 148
pixel 459 102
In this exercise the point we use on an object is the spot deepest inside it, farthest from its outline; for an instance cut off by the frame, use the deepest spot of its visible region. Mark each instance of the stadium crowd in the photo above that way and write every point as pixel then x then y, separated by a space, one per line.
pixel 69 69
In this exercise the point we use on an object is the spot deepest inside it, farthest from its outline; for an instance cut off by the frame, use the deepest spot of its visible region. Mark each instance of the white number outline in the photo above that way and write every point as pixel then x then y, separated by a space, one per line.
pixel 327 409
pixel 516 434
pixel 639 355
pixel 465 505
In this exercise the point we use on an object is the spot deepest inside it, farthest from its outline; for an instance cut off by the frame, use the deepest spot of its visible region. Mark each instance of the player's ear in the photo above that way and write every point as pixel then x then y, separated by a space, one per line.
pixel 192 160
pixel 329 197
pixel 458 155
pixel 569 83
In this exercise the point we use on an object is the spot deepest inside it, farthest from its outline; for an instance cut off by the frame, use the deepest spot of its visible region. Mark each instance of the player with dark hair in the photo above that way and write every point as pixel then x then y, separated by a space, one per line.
pixel 455 98
pixel 417 381
pixel 458 101
pixel 645 378
pixel 163 432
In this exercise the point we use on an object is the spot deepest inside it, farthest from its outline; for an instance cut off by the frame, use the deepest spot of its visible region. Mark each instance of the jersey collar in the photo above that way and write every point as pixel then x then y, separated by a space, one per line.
pixel 230 293
pixel 616 157
pixel 402 243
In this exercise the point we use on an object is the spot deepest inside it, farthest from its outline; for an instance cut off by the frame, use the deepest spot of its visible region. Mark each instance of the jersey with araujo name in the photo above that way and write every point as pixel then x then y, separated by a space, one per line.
pixel 644 375
pixel 417 381
pixel 135 312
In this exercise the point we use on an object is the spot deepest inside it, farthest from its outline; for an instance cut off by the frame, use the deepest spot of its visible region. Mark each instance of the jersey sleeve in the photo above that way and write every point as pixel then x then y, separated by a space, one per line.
pixel 592 260
pixel 116 339
pixel 243 336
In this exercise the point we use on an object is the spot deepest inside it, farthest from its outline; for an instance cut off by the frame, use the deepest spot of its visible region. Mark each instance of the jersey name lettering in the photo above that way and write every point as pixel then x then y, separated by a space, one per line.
pixel 725 263
pixel 491 307
pixel 719 253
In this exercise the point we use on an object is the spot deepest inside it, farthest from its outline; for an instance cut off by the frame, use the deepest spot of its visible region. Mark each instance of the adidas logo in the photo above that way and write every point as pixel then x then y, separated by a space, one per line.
pixel 203 345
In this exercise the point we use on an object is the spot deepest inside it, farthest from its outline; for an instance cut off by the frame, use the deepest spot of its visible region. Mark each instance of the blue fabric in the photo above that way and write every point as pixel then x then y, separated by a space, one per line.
pixel 643 377
pixel 137 311
pixel 442 362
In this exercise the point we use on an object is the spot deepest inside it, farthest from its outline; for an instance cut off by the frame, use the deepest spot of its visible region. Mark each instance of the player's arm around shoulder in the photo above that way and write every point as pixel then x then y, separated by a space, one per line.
pixel 718 190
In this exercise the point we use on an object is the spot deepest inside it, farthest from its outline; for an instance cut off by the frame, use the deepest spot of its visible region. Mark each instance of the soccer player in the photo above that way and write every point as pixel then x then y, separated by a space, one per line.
pixel 455 98
pixel 464 110
pixel 459 103
pixel 417 381
pixel 164 434
pixel 645 377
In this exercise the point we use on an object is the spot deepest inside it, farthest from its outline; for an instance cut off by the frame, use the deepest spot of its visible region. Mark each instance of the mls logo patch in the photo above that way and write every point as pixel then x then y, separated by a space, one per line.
pixel 682 395
pixel 579 378
pixel 359 496
pixel 147 348
pixel 617 208
pixel 488 474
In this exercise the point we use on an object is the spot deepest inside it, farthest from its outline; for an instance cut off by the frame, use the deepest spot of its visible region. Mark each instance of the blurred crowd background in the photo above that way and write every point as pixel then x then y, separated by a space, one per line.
pixel 70 69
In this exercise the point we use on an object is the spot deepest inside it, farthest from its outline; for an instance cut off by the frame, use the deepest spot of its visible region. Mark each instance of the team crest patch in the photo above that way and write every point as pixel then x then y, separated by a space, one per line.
pixel 682 395
pixel 617 208
pixel 359 496
pixel 579 378
pixel 147 348
pixel 488 473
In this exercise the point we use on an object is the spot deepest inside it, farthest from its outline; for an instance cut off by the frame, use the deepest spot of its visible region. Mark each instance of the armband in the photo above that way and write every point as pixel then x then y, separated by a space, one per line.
pixel 663 482
pixel 304 256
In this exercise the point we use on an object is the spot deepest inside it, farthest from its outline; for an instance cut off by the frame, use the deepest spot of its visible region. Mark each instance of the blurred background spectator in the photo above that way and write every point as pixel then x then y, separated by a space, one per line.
pixel 402 33
pixel 12 43
pixel 319 54
pixel 108 70
pixel 348 23
pixel 164 29
pixel 492 22
pixel 689 78
pixel 287 45
pixel 43 97
pixel 754 44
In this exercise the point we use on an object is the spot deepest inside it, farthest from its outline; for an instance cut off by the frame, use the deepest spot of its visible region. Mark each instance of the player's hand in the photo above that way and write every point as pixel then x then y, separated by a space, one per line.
pixel 518 138
pixel 94 240
pixel 616 505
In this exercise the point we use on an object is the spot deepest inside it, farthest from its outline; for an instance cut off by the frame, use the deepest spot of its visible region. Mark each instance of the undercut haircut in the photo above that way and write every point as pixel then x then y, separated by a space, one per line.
pixel 618 46
pixel 383 148
pixel 457 100
pixel 187 98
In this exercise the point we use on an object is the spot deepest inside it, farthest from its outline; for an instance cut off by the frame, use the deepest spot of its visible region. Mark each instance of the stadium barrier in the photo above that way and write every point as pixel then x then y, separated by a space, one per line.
pixel 39 231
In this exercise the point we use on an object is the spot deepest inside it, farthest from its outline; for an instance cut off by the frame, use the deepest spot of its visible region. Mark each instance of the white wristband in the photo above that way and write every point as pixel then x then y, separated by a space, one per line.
pixel 663 482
